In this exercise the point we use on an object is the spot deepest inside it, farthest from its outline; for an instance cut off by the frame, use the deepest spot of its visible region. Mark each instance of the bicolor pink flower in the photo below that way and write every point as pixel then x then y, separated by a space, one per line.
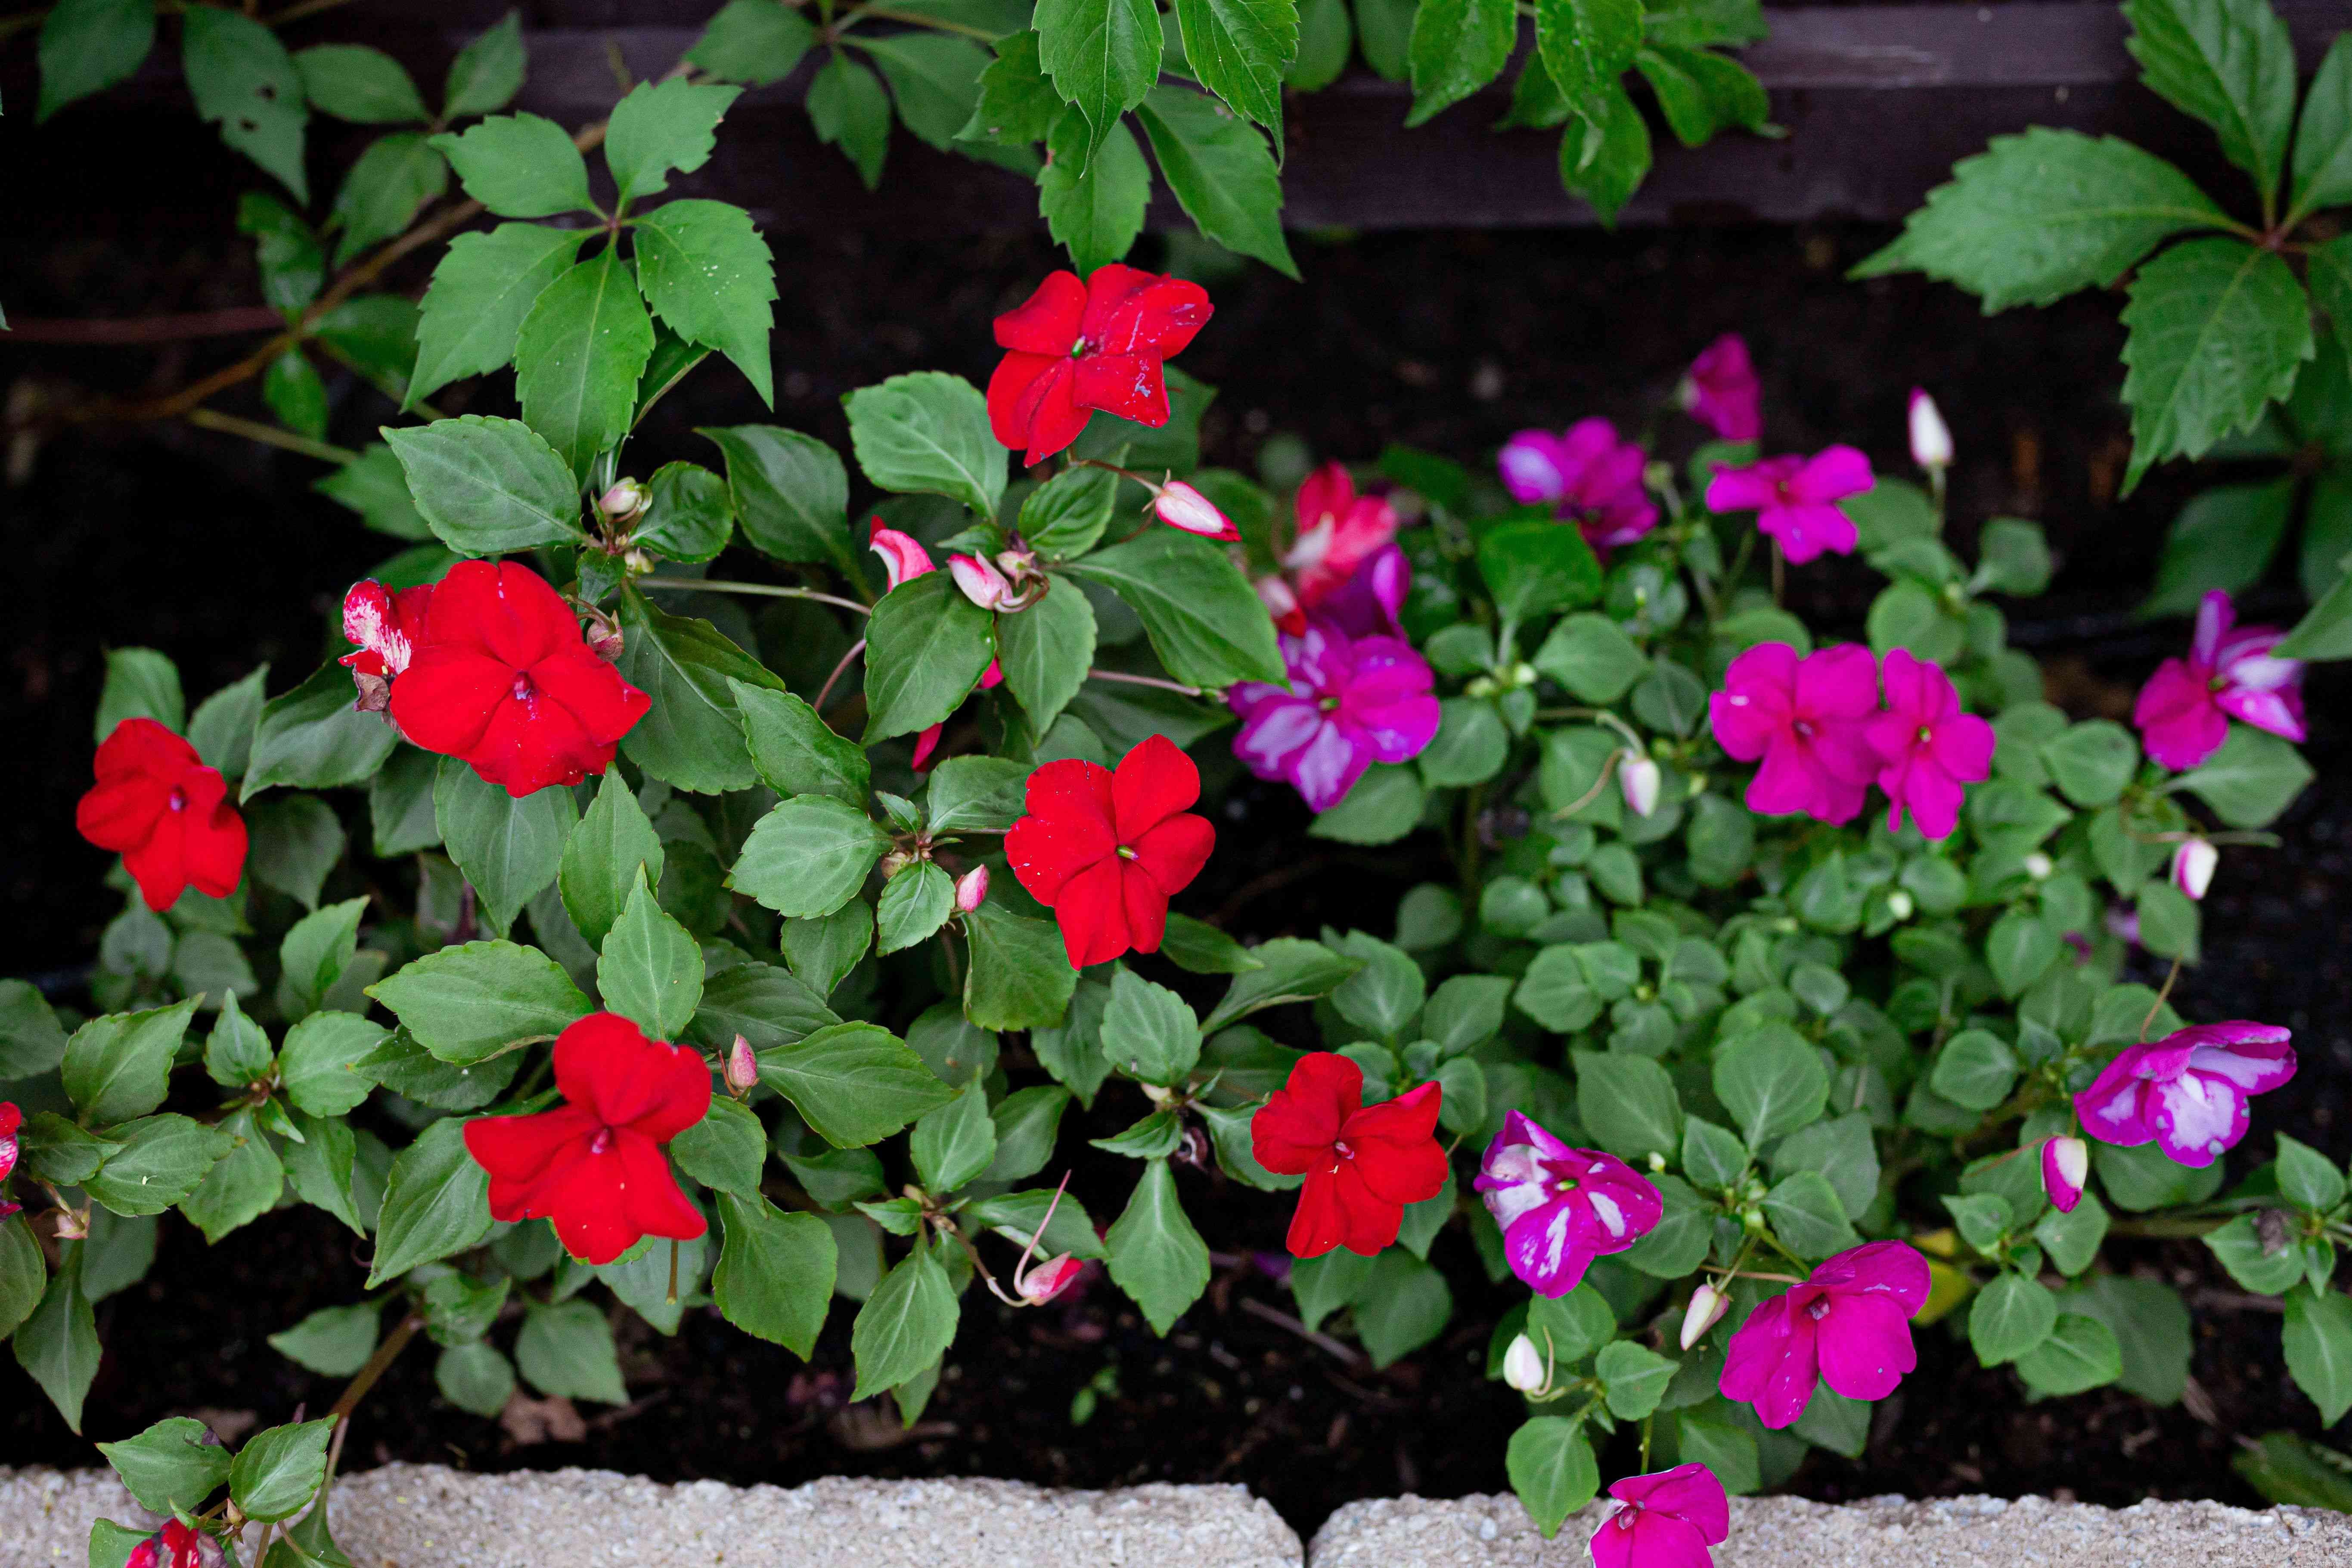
pixel 383 626
pixel 177 1545
pixel 2187 1093
pixel 1179 505
pixel 1351 702
pixel 1720 390
pixel 1795 498
pixel 1931 439
pixel 2184 711
pixel 1665 1520
pixel 1590 477
pixel 1808 720
pixel 1281 602
pixel 1707 1306
pixel 1559 1208
pixel 2193 865
pixel 1927 747
pixel 1338 530
pixel 11 1119
pixel 981 583
pixel 2065 1169
pixel 903 557
pixel 1848 1325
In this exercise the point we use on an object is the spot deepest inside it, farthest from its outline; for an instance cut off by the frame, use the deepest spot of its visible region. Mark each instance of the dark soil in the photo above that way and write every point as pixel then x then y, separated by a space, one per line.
pixel 215 550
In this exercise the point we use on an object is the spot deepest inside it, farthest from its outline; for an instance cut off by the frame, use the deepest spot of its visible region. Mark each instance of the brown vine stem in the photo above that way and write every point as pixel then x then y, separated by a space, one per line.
pixel 855 650
pixel 269 435
pixel 357 1389
pixel 133 329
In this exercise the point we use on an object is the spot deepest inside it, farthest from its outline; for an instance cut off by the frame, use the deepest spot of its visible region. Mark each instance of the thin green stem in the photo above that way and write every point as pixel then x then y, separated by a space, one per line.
pixel 269 435
pixel 2158 1006
pixel 764 590
pixel 1738 566
pixel 1124 679
pixel 911 19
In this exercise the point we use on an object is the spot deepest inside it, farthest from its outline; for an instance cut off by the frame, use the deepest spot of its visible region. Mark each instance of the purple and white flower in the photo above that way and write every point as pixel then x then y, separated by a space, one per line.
pixel 2187 1093
pixel 1351 702
pixel 1559 1207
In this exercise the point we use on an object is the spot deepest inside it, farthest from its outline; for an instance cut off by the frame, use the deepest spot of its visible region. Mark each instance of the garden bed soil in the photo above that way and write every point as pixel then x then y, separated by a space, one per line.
pixel 217 552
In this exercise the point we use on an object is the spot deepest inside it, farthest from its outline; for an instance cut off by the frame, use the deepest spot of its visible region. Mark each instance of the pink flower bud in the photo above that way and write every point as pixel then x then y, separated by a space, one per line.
pixel 1931 439
pixel 980 581
pixel 1707 1306
pixel 604 640
pixel 1523 1366
pixel 2065 1166
pixel 1640 779
pixel 970 888
pixel 73 1225
pixel 2192 866
pixel 743 1066
pixel 902 557
pixel 1040 1283
pixel 1179 505
pixel 624 501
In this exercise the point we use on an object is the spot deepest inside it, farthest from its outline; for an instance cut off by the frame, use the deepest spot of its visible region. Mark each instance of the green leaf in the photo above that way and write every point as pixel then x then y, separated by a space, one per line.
pixel 1290 970
pixel 1065 516
pixel 1702 93
pixel 809 856
pixel 906 1325
pixel 789 491
pixel 691 737
pixel 1202 616
pixel 24 1274
pixel 2251 780
pixel 1018 104
pixel 2035 217
pixel 361 85
pixel 929 432
pixel 1093 205
pixel 775 1273
pixel 1533 568
pixel 315 1066
pixel 57 1346
pixel 244 81
pixel 752 41
pixel 1325 42
pixel 1402 1306
pixel 2187 390
pixel 1771 1081
pixel 2009 1317
pixel 913 906
pixel 119 1066
pixel 850 110
pixel 661 126
pixel 706 272
pixel 954 1143
pixel 1808 1216
pixel 222 728
pixel 1103 55
pixel 2254 1265
pixel 603 856
pixel 1471 745
pixel 2080 1354
pixel 1149 1031
pixel 934 77
pixel 566 1351
pixel 1220 171
pixel 473 311
pixel 1976 1069
pixel 1027 1122
pixel 279 1470
pixel 1239 50
pixel 295 841
pixel 853 1083
pixel 242 1185
pixel 767 1005
pixel 1585 45
pixel 927 647
pixel 578 358
pixel 386 187
pixel 141 683
pixel 1841 1150
pixel 1552 1469
pixel 2323 137
pixel 2224 538
pixel 436 1202
pixel 1021 977
pixel 2092 762
pixel 651 969
pixel 726 1150
pixel 88 45
pixel 2231 64
pixel 333 1342
pixel 170 1466
pixel 520 165
pixel 312 737
pixel 794 748
pixel 1628 1103
pixel 487 486
pixel 508 848
pixel 1605 160
pixel 1634 1378
pixel 1458 47
pixel 2307 1178
pixel 1592 657
pixel 31 1040
pixel 1156 1255
pixel 1046 651
pixel 488 72
pixel 2318 1343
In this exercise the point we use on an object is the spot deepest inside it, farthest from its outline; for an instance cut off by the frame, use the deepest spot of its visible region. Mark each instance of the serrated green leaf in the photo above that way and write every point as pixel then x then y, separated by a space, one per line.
pixel 2218 329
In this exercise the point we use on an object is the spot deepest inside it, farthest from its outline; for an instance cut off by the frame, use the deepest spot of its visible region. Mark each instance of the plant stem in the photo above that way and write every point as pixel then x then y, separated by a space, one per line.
pixel 826 690
pixel 1125 679
pixel 270 436
pixel 2158 1006
pixel 768 590
pixel 1738 566
pixel 356 1390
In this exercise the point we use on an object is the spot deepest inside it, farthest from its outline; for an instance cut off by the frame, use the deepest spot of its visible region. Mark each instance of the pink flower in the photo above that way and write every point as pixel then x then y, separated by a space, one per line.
pixel 11 1119
pixel 971 889
pixel 1351 702
pixel 1338 530
pixel 2187 1093
pixel 624 500
pixel 1179 505
pixel 981 583
pixel 1559 1207
pixel 1931 439
pixel 1849 1324
pixel 2065 1167
pixel 1639 779
pixel 1721 392
pixel 1667 1519
pixel 742 1065
pixel 2193 866
pixel 1795 498
pixel 2184 711
pixel 1929 748
pixel 903 557
pixel 1593 479
pixel 1809 720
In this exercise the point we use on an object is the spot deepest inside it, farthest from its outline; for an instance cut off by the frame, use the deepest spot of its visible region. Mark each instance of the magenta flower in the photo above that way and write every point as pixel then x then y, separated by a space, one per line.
pixel 1849 1323
pixel 1720 390
pixel 1591 478
pixel 1928 748
pixel 1667 1519
pixel 1809 720
pixel 1559 1207
pixel 2184 711
pixel 1337 531
pixel 2186 1092
pixel 1795 498
pixel 1351 702
pixel 1366 605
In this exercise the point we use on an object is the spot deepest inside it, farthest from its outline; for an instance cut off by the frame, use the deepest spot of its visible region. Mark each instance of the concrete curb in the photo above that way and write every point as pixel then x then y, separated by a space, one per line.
pixel 425 1516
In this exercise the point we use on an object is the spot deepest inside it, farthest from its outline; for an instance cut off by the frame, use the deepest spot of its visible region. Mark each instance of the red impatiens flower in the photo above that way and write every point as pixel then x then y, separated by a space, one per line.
pixel 11 1119
pixel 386 627
pixel 1077 347
pixel 1105 850
pixel 1362 1164
pixel 167 814
pixel 595 1166
pixel 503 679
pixel 177 1545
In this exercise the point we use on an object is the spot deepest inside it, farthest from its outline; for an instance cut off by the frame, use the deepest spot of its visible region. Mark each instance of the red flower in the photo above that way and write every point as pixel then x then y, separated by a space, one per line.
pixel 1362 1164
pixel 1105 850
pixel 11 1119
pixel 595 1167
pixel 1082 346
pixel 177 1545
pixel 503 679
pixel 385 626
pixel 167 814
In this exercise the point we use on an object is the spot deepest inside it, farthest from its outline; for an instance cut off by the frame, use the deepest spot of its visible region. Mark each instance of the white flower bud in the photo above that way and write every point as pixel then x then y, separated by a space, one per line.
pixel 1179 505
pixel 1900 905
pixel 2192 866
pixel 1523 1366
pixel 1640 779
pixel 1931 439
pixel 1707 1306
pixel 2039 866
